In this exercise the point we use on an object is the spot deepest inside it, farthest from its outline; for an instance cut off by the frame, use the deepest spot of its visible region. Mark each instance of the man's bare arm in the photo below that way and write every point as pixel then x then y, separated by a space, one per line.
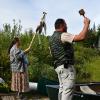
pixel 83 33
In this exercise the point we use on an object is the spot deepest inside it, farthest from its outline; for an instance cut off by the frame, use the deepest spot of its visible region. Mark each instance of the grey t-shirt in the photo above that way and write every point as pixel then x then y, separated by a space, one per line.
pixel 67 37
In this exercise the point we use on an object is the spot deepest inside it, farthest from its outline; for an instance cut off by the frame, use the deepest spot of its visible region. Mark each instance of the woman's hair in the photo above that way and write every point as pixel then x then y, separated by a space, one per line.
pixel 15 40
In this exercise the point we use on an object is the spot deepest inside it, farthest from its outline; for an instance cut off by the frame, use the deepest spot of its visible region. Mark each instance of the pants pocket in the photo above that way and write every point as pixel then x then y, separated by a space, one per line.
pixel 59 69
pixel 65 73
pixel 68 74
pixel 72 73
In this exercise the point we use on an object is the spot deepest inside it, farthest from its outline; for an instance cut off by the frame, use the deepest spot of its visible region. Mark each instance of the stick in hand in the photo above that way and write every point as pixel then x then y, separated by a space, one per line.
pixel 32 40
pixel 27 50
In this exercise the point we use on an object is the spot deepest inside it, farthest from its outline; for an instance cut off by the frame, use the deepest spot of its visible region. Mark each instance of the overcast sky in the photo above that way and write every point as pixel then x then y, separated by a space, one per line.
pixel 30 12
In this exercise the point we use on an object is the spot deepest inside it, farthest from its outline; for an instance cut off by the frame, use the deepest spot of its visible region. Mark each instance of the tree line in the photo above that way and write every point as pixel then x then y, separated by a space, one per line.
pixel 40 60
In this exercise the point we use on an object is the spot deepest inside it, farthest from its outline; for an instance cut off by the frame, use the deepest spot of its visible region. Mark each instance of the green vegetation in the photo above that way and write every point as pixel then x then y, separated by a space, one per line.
pixel 84 62
pixel 4 88
pixel 94 69
pixel 87 57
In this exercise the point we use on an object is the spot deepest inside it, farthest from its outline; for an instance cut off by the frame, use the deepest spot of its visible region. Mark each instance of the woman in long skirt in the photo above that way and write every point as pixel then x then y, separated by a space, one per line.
pixel 19 62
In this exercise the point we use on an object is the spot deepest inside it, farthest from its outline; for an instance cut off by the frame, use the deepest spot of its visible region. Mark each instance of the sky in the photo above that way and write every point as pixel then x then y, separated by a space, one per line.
pixel 30 12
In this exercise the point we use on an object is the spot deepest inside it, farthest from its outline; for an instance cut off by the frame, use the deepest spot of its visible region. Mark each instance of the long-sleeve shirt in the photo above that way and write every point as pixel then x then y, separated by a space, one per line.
pixel 18 60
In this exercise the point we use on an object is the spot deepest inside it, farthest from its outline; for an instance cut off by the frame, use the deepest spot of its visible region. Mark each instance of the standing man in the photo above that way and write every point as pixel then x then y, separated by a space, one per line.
pixel 63 54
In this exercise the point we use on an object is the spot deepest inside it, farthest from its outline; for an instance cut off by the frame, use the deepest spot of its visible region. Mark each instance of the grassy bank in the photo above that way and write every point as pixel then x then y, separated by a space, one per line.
pixel 94 69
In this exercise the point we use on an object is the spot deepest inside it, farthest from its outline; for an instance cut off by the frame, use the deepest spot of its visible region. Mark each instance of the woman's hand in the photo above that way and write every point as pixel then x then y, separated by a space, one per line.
pixel 27 50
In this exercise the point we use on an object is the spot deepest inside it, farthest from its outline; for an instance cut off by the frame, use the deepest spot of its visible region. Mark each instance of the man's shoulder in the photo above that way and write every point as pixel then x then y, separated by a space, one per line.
pixel 66 33
pixel 67 37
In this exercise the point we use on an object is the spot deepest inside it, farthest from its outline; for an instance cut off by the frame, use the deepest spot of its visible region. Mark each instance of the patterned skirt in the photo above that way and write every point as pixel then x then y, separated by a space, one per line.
pixel 20 82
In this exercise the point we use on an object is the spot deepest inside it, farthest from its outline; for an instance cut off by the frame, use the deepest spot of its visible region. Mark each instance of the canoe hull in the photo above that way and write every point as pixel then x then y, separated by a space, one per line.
pixel 52 91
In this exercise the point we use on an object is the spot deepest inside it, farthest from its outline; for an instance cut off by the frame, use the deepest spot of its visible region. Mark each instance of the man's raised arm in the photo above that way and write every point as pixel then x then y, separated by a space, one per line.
pixel 84 31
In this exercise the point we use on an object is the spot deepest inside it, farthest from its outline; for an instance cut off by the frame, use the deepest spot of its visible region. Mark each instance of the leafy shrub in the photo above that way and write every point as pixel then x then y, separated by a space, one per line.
pixel 4 88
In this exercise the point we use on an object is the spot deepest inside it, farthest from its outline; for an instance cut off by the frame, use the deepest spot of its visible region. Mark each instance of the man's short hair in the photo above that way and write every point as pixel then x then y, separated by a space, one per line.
pixel 59 22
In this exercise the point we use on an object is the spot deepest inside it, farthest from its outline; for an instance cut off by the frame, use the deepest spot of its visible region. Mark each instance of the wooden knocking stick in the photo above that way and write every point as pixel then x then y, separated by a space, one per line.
pixel 82 12
pixel 32 40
